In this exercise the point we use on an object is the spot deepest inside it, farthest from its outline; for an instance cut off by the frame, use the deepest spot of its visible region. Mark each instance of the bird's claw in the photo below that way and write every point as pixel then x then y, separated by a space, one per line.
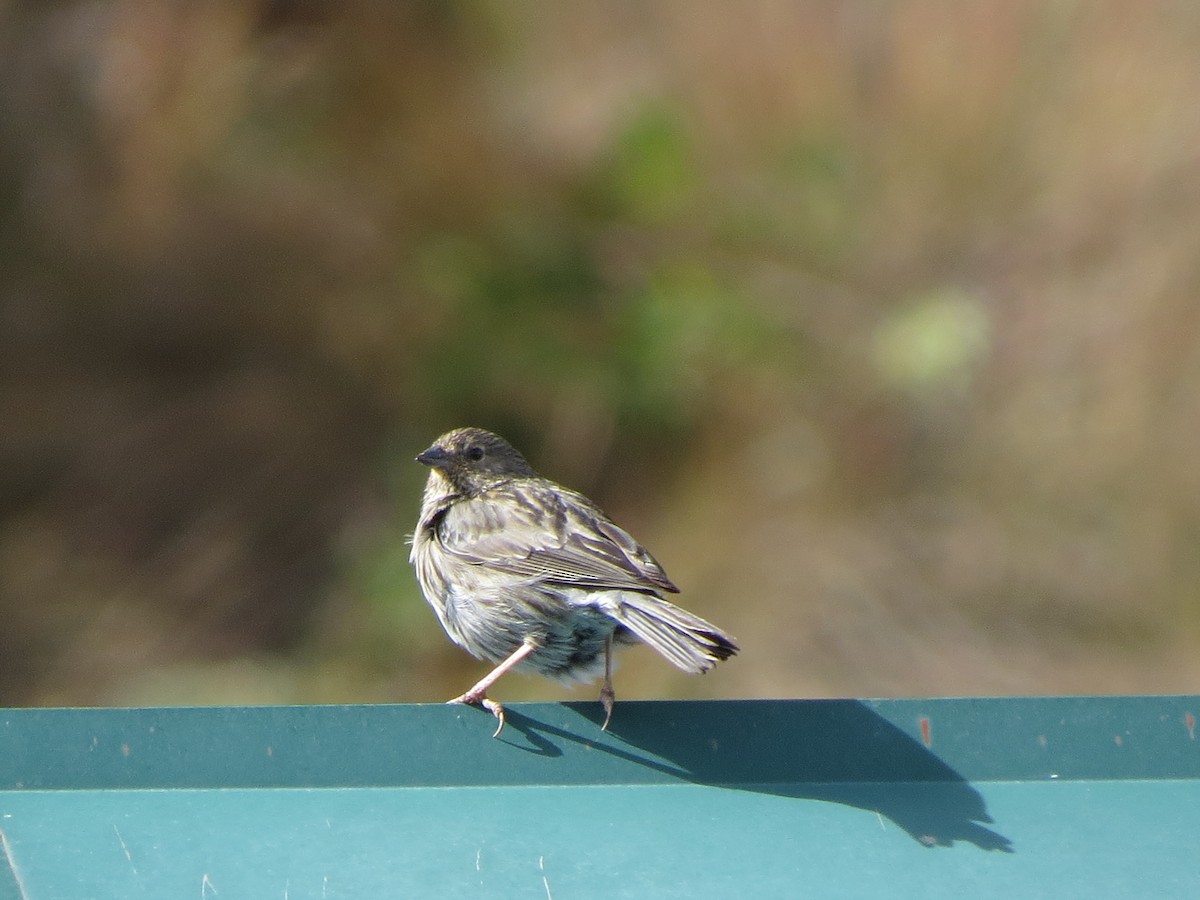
pixel 492 706
pixel 607 698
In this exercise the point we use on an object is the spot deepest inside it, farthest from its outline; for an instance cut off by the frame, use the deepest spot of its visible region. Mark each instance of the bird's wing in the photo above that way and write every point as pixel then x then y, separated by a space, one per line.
pixel 535 528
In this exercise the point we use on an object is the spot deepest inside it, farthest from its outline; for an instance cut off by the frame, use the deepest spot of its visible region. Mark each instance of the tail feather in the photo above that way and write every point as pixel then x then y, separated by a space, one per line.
pixel 683 639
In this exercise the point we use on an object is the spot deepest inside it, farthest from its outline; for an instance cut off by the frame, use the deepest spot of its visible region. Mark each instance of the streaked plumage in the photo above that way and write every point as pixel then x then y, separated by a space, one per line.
pixel 526 574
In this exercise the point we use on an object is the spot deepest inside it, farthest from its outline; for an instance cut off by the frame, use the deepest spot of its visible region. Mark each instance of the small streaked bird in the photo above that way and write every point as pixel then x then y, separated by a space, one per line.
pixel 528 575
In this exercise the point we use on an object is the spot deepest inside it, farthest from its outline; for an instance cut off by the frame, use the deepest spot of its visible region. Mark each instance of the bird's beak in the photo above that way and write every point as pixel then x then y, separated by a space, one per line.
pixel 435 457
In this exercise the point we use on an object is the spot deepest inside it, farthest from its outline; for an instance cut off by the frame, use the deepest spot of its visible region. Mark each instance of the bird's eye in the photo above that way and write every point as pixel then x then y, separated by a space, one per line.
pixel 475 454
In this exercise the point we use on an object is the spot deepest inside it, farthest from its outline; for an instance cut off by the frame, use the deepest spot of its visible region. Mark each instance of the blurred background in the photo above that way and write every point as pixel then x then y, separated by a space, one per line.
pixel 879 324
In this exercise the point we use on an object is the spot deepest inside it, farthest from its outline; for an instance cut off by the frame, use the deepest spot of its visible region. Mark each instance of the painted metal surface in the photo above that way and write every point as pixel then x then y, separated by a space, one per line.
pixel 1063 797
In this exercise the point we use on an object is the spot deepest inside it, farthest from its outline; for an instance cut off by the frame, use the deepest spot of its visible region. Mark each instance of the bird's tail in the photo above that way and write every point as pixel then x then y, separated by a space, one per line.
pixel 683 639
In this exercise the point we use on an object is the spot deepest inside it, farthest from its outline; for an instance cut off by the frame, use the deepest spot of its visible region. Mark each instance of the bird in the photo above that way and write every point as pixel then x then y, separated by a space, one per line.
pixel 528 575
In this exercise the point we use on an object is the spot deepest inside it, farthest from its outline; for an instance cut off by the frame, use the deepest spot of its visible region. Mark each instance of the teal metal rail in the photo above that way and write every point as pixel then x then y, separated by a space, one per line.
pixel 1055 797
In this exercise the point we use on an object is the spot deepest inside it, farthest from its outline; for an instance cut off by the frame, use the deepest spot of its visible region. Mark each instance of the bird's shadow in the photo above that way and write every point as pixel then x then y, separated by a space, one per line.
pixel 839 751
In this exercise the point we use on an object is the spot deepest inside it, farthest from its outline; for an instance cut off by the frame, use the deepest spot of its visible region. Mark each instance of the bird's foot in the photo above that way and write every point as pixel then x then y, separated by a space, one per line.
pixel 607 699
pixel 477 698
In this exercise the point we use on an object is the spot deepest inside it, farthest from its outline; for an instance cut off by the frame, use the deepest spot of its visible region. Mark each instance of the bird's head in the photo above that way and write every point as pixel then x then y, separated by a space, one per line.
pixel 471 459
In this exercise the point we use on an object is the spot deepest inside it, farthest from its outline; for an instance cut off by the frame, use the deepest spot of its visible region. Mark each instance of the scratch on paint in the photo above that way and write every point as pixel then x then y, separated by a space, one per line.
pixel 206 886
pixel 545 880
pixel 128 855
pixel 12 864
pixel 882 827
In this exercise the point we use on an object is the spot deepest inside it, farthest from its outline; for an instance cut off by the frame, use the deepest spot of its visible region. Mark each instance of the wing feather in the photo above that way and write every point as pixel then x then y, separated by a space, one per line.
pixel 536 529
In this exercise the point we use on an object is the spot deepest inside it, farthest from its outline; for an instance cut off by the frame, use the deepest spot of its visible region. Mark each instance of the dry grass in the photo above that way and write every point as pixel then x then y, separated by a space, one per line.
pixel 878 324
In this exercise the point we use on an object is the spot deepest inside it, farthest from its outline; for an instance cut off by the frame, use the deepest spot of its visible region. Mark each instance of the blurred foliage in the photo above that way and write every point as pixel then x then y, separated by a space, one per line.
pixel 935 341
pixel 877 323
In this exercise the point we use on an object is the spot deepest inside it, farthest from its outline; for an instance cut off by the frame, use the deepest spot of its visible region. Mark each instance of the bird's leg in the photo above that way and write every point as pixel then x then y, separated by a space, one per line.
pixel 477 696
pixel 607 695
